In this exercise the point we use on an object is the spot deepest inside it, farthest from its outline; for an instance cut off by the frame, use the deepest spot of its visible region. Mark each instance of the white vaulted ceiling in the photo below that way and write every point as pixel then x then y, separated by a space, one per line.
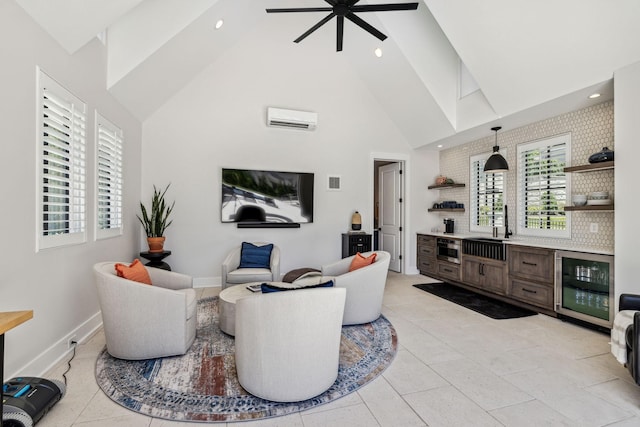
pixel 530 59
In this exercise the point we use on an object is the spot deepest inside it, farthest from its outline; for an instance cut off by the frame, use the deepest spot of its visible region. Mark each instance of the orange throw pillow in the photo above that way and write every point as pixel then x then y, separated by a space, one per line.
pixel 136 272
pixel 359 261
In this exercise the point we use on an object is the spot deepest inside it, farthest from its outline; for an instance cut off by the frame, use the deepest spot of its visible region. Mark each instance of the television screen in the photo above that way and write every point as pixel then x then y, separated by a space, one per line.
pixel 255 196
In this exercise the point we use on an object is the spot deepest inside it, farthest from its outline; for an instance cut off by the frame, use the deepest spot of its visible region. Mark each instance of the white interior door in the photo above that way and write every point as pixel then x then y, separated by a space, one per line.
pixel 390 215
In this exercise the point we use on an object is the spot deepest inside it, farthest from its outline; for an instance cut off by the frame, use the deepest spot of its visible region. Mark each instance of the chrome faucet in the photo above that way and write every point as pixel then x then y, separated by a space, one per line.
pixel 507 233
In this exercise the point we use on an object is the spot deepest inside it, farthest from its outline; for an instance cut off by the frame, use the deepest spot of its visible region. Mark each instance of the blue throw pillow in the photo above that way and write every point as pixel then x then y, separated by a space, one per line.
pixel 267 288
pixel 252 256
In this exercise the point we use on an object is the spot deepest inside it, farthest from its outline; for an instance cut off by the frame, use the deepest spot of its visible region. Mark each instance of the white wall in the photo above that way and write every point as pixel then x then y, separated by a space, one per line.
pixel 219 121
pixel 56 283
pixel 627 129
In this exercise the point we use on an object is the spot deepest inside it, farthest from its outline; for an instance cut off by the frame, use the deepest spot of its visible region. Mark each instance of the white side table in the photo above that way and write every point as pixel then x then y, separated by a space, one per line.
pixel 230 295
pixel 228 298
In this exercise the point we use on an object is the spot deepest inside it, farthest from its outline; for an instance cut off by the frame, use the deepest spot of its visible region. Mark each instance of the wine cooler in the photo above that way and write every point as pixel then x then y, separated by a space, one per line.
pixel 584 287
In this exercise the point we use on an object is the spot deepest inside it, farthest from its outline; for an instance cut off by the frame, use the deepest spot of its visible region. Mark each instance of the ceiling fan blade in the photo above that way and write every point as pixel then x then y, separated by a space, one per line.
pixel 300 9
pixel 340 34
pixel 315 27
pixel 384 7
pixel 365 26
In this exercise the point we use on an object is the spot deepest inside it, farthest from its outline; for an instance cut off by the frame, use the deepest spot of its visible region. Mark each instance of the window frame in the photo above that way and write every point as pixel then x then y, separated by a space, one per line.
pixel 109 146
pixel 523 148
pixel 75 232
pixel 475 193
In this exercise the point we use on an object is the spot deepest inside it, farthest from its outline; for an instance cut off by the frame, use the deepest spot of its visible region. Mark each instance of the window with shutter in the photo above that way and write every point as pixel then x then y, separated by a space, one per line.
pixel 487 195
pixel 62 166
pixel 109 143
pixel 543 187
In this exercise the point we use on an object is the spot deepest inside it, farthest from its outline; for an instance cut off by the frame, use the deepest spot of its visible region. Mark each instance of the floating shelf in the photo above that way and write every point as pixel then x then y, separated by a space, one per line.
pixel 589 208
pixel 442 186
pixel 446 210
pixel 591 167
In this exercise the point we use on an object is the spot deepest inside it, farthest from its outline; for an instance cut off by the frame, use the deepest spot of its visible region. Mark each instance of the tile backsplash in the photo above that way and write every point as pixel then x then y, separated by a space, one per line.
pixel 591 129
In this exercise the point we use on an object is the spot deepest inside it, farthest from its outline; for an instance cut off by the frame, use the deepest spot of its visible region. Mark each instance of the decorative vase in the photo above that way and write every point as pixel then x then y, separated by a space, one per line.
pixel 356 221
pixel 156 244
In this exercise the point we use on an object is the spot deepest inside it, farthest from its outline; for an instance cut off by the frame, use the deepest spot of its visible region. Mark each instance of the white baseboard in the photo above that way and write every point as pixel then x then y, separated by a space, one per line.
pixel 206 282
pixel 44 362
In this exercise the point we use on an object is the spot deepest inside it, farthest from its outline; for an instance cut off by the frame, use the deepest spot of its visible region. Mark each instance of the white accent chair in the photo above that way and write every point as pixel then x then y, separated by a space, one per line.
pixel 365 286
pixel 288 343
pixel 232 275
pixel 146 321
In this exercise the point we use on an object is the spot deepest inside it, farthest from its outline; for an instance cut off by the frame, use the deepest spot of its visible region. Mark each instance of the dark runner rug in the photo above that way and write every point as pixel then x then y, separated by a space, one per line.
pixel 202 385
pixel 479 303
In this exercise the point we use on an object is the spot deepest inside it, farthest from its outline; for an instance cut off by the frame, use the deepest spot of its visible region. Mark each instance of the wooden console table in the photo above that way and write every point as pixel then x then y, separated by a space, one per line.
pixel 8 321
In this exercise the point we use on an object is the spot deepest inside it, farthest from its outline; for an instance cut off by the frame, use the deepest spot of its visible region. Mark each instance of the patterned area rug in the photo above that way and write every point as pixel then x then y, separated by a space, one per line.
pixel 203 386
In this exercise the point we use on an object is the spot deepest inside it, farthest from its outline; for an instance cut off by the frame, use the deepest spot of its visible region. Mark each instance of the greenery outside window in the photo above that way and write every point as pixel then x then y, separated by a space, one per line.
pixel 109 143
pixel 487 195
pixel 543 187
pixel 61 179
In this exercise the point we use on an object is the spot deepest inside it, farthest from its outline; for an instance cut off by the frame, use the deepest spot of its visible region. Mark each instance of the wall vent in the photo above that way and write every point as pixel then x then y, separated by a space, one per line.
pixel 334 182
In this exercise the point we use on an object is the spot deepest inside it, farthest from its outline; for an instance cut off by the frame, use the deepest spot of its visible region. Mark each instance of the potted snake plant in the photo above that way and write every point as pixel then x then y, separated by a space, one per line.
pixel 156 220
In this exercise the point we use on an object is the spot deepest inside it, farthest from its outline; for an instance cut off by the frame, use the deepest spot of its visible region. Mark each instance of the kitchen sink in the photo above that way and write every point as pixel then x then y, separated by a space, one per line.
pixel 485 247
pixel 484 239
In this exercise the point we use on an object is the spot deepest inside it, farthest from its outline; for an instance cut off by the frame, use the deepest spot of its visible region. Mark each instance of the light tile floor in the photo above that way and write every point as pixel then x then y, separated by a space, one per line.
pixel 454 368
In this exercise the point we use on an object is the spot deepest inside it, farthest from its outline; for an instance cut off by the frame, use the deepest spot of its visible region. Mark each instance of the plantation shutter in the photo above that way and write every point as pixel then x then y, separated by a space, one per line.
pixel 108 178
pixel 487 195
pixel 543 187
pixel 62 178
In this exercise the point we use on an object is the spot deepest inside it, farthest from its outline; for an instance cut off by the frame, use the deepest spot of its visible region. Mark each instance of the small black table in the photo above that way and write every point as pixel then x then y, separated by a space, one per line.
pixel 155 259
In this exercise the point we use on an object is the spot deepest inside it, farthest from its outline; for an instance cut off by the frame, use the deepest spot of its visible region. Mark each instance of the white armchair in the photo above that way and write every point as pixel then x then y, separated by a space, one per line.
pixel 288 343
pixel 232 275
pixel 365 287
pixel 146 321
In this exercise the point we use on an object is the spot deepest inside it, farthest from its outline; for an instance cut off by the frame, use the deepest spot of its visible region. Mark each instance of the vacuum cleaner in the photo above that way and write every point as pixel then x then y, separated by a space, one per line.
pixel 27 399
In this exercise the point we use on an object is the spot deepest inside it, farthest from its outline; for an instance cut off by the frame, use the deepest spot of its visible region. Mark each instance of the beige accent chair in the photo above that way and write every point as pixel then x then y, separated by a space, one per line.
pixel 146 321
pixel 288 343
pixel 232 275
pixel 365 286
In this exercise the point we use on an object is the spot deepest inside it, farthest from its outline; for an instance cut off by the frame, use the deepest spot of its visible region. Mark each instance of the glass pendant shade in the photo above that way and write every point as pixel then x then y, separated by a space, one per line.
pixel 496 163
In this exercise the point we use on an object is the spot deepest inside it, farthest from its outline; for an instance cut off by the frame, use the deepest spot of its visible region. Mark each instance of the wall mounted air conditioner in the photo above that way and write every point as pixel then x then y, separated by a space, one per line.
pixel 293 119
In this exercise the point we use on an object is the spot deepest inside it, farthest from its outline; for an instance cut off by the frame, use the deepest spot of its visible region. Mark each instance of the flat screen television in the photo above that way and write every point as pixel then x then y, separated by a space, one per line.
pixel 266 197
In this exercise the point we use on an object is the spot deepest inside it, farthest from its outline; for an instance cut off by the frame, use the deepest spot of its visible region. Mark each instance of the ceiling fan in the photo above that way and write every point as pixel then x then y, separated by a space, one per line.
pixel 346 9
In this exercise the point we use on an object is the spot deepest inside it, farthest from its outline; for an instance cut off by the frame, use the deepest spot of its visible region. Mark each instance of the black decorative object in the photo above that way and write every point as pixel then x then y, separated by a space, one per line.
pixel 605 155
pixel 346 9
pixel 496 163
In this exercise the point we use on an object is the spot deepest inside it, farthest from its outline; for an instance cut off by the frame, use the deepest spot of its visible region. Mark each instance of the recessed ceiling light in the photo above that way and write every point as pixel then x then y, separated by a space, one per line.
pixel 219 24
pixel 594 95
pixel 439 145
pixel 378 52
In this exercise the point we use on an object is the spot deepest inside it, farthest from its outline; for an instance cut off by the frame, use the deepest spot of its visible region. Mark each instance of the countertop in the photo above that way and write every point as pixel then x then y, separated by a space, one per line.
pixel 523 241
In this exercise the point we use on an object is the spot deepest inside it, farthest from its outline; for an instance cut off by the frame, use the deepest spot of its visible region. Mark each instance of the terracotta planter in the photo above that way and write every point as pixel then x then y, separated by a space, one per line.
pixel 156 244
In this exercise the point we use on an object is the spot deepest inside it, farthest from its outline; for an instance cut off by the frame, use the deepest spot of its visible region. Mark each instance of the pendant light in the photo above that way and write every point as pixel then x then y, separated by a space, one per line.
pixel 496 163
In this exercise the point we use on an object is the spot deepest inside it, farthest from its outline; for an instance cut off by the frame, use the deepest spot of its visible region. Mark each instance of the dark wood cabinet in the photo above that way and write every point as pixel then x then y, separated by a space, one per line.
pixel 531 275
pixel 525 278
pixel 426 255
pixel 355 242
pixel 448 270
pixel 486 274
